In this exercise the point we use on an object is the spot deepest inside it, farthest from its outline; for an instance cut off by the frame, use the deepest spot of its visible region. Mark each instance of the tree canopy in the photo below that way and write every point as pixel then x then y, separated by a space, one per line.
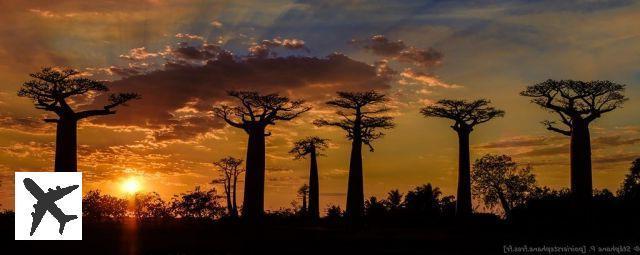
pixel 571 99
pixel 498 179
pixel 466 114
pixel 257 109
pixel 229 166
pixel 304 147
pixel 361 116
pixel 50 89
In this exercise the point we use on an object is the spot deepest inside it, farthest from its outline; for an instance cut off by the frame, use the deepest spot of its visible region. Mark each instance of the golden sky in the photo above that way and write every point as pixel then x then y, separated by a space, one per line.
pixel 182 55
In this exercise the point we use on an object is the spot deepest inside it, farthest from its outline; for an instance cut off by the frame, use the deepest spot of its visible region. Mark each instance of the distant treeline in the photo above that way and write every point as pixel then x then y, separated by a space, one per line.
pixel 422 204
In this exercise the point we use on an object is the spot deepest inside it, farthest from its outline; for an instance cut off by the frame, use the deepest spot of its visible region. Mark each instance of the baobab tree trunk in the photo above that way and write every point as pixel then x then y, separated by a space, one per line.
pixel 227 189
pixel 581 182
pixel 235 206
pixel 253 206
pixel 314 189
pixel 463 199
pixel 355 191
pixel 66 145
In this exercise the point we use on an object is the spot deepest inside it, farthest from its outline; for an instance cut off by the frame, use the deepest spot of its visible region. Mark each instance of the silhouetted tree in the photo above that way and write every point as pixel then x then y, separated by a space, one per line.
pixel 497 179
pixel 311 146
pixel 230 168
pixel 254 113
pixel 99 207
pixel 577 103
pixel 334 212
pixel 546 193
pixel 466 116
pixel 362 123
pixel 423 201
pixel 375 209
pixel 604 195
pixel 52 90
pixel 151 206
pixel 448 205
pixel 285 213
pixel 303 192
pixel 197 204
pixel 630 189
pixel 394 201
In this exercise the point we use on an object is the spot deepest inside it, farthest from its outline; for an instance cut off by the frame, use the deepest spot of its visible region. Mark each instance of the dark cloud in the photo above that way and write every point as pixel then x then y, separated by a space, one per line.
pixel 398 50
pixel 546 151
pixel 518 142
pixel 26 124
pixel 187 127
pixel 380 45
pixel 613 159
pixel 183 53
pixel 199 86
pixel 606 141
pixel 188 52
pixel 531 7
pixel 599 142
pixel 123 71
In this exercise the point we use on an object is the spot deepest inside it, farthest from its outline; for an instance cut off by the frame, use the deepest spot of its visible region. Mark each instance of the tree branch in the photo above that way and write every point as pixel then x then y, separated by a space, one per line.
pixel 116 100
pixel 549 125
pixel 223 112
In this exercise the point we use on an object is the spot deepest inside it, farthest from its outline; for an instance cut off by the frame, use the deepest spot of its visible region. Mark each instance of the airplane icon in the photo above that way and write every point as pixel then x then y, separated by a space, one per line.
pixel 46 202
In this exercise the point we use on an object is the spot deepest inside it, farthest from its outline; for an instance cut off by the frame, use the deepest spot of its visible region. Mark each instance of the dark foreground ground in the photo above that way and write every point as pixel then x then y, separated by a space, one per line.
pixel 476 236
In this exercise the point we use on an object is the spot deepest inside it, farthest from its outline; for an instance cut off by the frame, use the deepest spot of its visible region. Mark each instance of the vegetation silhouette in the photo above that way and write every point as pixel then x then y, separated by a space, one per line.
pixel 630 188
pixel 51 89
pixel 362 123
pixel 151 207
pixel 497 179
pixel 466 114
pixel 577 103
pixel 421 221
pixel 230 168
pixel 253 114
pixel 311 146
pixel 102 207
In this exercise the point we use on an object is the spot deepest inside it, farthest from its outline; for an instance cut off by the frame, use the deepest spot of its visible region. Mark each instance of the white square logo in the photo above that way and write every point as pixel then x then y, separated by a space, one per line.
pixel 48 206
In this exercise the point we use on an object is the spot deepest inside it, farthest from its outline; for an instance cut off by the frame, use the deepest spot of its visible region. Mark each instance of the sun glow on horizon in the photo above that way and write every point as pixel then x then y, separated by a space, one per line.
pixel 130 185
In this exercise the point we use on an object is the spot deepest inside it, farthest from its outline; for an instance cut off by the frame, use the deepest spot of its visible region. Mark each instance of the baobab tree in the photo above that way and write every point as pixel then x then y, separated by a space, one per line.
pixel 52 90
pixel 577 104
pixel 362 123
pixel 230 168
pixel 311 146
pixel 303 192
pixel 253 114
pixel 466 115
pixel 499 180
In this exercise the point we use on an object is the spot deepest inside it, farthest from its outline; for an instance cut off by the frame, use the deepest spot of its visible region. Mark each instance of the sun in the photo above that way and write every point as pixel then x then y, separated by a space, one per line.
pixel 131 185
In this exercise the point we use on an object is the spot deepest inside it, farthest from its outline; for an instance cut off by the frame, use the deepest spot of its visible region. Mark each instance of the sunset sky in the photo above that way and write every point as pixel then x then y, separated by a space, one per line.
pixel 182 56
